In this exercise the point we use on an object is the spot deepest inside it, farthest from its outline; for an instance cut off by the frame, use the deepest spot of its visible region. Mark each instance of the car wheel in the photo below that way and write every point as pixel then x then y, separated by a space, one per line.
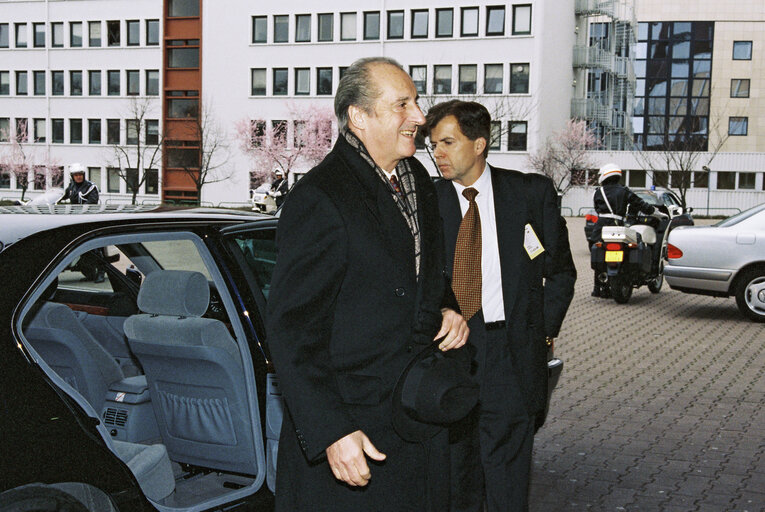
pixel 39 498
pixel 750 294
pixel 621 290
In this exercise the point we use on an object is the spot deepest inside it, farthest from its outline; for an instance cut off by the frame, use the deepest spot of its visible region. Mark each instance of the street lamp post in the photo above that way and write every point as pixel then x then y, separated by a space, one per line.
pixel 709 184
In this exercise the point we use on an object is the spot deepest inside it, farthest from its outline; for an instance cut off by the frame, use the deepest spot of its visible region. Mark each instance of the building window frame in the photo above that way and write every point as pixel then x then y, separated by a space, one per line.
pixel 517 135
pixel 325 22
pixel 302 81
pixel 258 81
pixel 133 32
pixel 302 28
pixel 442 79
pixel 493 27
pixel 467 84
pixel 421 80
pixel 742 46
pixel 496 79
pixel 94 34
pixel 57 34
pixel 22 83
pixel 321 81
pixel 20 35
pixel 441 20
pixel 520 76
pixel 348 26
pixel 417 16
pixel 38 35
pixel 371 25
pixel 113 34
pixel 394 26
pixel 75 34
pixel 739 87
pixel 738 126
pixel 522 11
pixel 463 22
pixel 280 76
pixel 281 28
pixel 152 33
pixel 259 29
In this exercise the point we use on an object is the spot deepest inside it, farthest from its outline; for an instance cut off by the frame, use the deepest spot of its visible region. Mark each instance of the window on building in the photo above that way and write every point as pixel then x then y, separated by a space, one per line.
pixel 259 29
pixel 302 28
pixel 739 88
pixel 75 131
pixel 492 79
pixel 5 129
pixel 468 78
pixel 519 78
pixel 94 131
pixel 152 132
pixel 341 71
pixel 324 81
pixel 132 130
pixel 57 35
pixel 279 130
pixel 133 82
pixel 94 34
pixel 113 33
pixel 516 135
pixel 94 176
pixel 5 176
pixel 281 28
pixel 182 108
pixel 38 182
pixel 39 77
pixel 113 180
pixel 151 181
pixel 258 82
pixel 444 22
pixel 75 83
pixel 746 180
pixel 22 129
pixel 347 26
pixel 113 82
pixel 75 34
pixel 738 126
pixel 442 79
pixel 495 141
pixel 660 179
pixel 4 36
pixel 495 20
pixel 726 180
pixel 57 83
pixel 522 19
pixel 419 23
pixel 280 82
pixel 395 24
pixel 152 82
pixel 302 81
pixel 700 179
pixel 131 180
pixel 183 57
pixel 372 25
pixel 636 178
pixel 113 131
pixel 21 35
pixel 183 8
pixel 5 83
pixel 469 21
pixel 152 32
pixel 742 50
pixel 39 130
pixel 326 26
pixel 419 76
pixel 39 35
pixel 133 28
pixel 21 83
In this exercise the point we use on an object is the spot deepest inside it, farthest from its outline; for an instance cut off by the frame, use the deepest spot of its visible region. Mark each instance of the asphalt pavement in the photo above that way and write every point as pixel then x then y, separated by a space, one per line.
pixel 659 407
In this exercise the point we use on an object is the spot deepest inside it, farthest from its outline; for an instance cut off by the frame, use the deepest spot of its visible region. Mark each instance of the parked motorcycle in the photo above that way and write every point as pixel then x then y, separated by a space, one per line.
pixel 628 257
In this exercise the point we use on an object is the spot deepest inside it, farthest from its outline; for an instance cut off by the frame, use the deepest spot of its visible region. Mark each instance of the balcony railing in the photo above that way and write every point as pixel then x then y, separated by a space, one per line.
pixel 593 57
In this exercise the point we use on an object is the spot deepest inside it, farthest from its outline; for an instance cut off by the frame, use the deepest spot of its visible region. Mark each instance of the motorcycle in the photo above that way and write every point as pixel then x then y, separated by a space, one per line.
pixel 628 257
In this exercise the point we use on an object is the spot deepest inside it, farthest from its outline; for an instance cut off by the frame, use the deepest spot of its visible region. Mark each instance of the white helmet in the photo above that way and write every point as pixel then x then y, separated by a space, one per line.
pixel 607 171
pixel 76 169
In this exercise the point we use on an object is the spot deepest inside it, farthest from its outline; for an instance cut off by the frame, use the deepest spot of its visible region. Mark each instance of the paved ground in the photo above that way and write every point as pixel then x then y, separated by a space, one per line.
pixel 660 406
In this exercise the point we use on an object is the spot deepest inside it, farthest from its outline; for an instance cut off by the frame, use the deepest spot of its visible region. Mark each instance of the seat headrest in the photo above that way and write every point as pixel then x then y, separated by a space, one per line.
pixel 174 293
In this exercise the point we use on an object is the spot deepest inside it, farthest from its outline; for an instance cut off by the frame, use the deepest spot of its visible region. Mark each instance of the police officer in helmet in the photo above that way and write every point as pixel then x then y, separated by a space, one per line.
pixel 611 201
pixel 80 190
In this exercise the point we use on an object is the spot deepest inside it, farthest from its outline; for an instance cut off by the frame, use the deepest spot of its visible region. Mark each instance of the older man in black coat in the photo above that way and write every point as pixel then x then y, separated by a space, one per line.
pixel 357 291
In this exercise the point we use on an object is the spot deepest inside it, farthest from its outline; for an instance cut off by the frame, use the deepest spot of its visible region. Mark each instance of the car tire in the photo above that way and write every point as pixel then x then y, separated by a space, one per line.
pixel 621 290
pixel 750 294
pixel 39 498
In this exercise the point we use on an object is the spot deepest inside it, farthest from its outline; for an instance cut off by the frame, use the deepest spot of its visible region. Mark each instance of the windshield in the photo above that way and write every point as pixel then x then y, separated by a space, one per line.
pixel 648 197
pixel 735 219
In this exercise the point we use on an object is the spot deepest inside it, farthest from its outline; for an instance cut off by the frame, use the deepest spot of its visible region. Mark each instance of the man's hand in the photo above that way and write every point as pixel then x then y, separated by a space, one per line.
pixel 454 330
pixel 347 460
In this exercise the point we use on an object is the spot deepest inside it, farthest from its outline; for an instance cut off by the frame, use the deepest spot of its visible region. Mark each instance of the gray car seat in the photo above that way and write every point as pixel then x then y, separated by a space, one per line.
pixel 72 352
pixel 150 465
pixel 195 374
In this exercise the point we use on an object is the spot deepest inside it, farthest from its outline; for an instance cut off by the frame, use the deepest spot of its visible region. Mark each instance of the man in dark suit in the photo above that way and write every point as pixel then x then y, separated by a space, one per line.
pixel 357 291
pixel 508 255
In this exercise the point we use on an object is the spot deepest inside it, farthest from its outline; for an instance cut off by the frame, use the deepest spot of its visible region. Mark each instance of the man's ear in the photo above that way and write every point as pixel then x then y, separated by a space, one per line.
pixel 357 117
pixel 479 145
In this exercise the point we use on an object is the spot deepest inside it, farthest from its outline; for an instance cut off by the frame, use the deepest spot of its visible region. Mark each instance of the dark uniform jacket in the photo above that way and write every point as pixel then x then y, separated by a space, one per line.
pixel 83 193
pixel 346 314
pixel 536 292
pixel 619 197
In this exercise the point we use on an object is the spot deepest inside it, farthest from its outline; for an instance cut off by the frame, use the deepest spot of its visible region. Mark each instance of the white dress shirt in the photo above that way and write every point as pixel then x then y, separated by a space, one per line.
pixel 491 288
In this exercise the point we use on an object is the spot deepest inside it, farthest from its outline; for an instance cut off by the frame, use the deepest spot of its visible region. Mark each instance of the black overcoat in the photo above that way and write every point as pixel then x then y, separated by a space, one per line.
pixel 536 292
pixel 346 314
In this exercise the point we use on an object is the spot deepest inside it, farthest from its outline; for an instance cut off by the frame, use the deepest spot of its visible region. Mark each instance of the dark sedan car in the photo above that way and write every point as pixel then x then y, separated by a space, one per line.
pixel 149 389
pixel 665 199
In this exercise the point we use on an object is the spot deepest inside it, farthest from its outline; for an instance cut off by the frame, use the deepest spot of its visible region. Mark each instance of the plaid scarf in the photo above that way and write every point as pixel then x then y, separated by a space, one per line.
pixel 407 204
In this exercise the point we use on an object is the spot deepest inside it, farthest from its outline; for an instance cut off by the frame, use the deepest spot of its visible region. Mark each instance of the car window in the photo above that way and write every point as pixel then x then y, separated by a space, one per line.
pixel 647 197
pixel 669 200
pixel 177 255
pixel 739 217
pixel 259 251
pixel 88 272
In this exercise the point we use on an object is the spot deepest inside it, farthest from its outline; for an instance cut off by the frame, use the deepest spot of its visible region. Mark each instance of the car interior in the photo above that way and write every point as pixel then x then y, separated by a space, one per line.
pixel 157 351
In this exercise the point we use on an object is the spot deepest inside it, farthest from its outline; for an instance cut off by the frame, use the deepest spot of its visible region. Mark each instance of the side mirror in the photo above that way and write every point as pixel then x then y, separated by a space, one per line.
pixel 134 275
pixel 688 210
pixel 674 210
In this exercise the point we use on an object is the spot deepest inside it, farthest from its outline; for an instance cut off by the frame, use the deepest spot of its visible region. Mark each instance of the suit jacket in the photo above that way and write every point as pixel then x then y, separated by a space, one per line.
pixel 536 292
pixel 346 314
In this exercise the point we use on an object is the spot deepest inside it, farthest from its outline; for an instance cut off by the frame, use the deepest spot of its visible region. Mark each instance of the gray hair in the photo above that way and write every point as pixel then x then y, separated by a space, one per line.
pixel 356 88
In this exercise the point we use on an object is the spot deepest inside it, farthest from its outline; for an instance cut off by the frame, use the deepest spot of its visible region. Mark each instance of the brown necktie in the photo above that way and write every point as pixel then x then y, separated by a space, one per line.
pixel 466 279
pixel 396 187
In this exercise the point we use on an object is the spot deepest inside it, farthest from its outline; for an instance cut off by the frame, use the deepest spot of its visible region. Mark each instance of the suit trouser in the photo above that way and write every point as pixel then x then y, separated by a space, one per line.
pixel 491 449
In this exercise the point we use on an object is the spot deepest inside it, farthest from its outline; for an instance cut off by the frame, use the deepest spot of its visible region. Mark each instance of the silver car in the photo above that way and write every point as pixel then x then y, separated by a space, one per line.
pixel 725 259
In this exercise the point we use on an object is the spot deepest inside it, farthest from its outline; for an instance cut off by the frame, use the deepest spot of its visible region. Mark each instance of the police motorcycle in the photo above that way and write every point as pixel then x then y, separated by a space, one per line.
pixel 630 256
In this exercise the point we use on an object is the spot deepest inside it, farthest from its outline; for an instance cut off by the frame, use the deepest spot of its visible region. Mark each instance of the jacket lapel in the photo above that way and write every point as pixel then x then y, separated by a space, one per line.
pixel 510 212
pixel 451 216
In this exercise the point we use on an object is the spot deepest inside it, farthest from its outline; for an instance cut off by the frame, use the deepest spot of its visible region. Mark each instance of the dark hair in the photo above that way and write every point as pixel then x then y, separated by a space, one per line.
pixel 472 117
pixel 356 88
